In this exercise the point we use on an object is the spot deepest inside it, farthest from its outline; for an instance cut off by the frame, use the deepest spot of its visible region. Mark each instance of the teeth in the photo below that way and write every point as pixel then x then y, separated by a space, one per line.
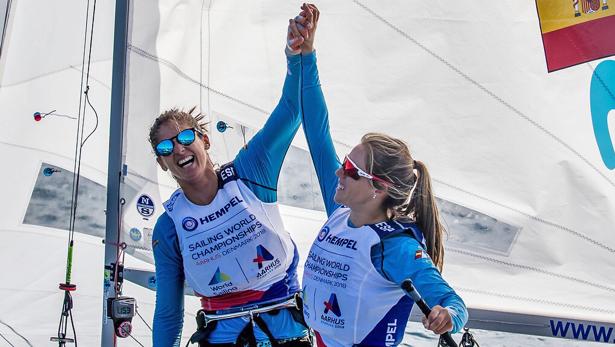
pixel 185 160
pixel 340 187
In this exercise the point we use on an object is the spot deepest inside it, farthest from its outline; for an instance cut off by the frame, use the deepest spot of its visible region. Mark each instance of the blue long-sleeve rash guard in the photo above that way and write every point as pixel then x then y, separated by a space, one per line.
pixel 394 257
pixel 259 166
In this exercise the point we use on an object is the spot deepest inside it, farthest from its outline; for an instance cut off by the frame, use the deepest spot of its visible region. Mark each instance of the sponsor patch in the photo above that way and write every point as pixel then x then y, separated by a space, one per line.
pixel 145 206
pixel 323 233
pixel 189 224
pixel 135 234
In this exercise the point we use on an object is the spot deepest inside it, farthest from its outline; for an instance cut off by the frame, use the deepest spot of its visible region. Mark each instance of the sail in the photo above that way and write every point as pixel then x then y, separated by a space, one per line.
pixel 521 178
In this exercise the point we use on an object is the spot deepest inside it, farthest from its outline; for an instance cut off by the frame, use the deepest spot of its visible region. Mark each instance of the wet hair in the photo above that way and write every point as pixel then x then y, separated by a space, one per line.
pixel 179 117
pixel 390 159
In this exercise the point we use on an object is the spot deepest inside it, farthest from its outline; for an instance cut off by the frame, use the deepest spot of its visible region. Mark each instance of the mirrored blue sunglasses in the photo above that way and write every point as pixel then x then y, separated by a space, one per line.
pixel 185 138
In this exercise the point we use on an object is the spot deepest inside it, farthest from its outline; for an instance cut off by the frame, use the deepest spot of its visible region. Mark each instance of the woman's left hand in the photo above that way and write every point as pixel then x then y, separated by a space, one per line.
pixel 439 320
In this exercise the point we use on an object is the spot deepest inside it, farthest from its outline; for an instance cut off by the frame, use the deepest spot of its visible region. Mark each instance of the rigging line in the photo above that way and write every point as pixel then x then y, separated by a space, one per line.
pixel 87 99
pixel 138 314
pixel 61 115
pixel 82 142
pixel 535 218
pixel 487 91
pixel 137 341
pixel 5 27
pixel 201 58
pixel 72 323
pixel 531 268
pixel 541 301
pixel 208 57
pixel 79 119
pixel 7 341
pixel 119 248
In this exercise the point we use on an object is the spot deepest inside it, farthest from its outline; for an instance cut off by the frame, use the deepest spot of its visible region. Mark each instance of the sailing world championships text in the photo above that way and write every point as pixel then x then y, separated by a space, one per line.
pixel 233 233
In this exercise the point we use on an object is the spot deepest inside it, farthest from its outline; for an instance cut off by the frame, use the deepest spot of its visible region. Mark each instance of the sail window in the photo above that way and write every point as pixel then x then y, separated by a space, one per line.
pixel 298 183
pixel 50 202
pixel 470 229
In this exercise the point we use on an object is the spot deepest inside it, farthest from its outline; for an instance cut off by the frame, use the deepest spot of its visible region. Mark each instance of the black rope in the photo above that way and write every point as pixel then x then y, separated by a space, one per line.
pixel 138 314
pixel 85 38
pixel 66 315
pixel 80 136
pixel 67 305
pixel 87 99
pixel 134 338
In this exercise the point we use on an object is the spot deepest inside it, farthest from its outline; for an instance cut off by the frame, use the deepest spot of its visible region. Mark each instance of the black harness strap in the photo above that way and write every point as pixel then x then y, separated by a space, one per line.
pixel 263 326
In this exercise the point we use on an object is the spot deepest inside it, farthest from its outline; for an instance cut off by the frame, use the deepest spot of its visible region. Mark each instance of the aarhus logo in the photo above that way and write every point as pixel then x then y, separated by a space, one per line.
pixel 189 224
pixel 262 254
pixel 135 234
pixel 219 277
pixel 332 305
pixel 323 233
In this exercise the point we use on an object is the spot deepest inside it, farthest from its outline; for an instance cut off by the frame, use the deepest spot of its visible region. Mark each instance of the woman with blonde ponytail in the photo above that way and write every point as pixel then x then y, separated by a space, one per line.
pixel 383 227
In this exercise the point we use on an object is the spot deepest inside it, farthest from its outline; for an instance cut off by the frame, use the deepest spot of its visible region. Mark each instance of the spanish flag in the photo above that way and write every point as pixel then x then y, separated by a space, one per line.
pixel 576 31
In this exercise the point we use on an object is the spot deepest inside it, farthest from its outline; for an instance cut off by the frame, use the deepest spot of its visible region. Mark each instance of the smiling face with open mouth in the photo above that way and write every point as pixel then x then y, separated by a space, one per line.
pixel 356 191
pixel 187 162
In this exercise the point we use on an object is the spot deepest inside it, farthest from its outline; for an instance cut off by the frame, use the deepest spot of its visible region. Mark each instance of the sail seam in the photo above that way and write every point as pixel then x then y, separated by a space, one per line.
pixel 174 67
pixel 531 268
pixel 18 334
pixel 538 219
pixel 177 70
pixel 69 67
pixel 542 301
pixel 487 91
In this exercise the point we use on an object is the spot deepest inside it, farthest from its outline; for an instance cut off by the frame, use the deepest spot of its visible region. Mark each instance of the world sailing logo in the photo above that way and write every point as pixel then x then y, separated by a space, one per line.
pixel 602 102
pixel 262 254
pixel 219 277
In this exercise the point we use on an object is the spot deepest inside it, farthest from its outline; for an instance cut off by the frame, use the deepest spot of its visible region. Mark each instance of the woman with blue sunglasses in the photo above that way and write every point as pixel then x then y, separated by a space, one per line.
pixel 222 232
pixel 383 227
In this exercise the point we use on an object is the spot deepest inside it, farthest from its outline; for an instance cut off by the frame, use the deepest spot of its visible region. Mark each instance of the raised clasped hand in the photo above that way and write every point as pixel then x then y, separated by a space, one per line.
pixel 302 28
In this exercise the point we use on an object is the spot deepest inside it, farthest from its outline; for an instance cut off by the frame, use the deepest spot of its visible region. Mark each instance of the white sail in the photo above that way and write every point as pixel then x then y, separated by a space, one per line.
pixel 527 198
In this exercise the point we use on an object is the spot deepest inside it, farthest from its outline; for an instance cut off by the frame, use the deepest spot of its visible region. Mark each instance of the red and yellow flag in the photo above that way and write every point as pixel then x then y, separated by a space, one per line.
pixel 576 31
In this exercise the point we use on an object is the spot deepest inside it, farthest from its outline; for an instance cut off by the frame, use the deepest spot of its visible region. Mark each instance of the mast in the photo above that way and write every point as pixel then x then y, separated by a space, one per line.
pixel 114 173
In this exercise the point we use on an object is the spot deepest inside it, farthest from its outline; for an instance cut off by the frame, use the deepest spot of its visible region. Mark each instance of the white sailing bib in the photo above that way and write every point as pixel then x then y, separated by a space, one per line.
pixel 237 244
pixel 346 301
